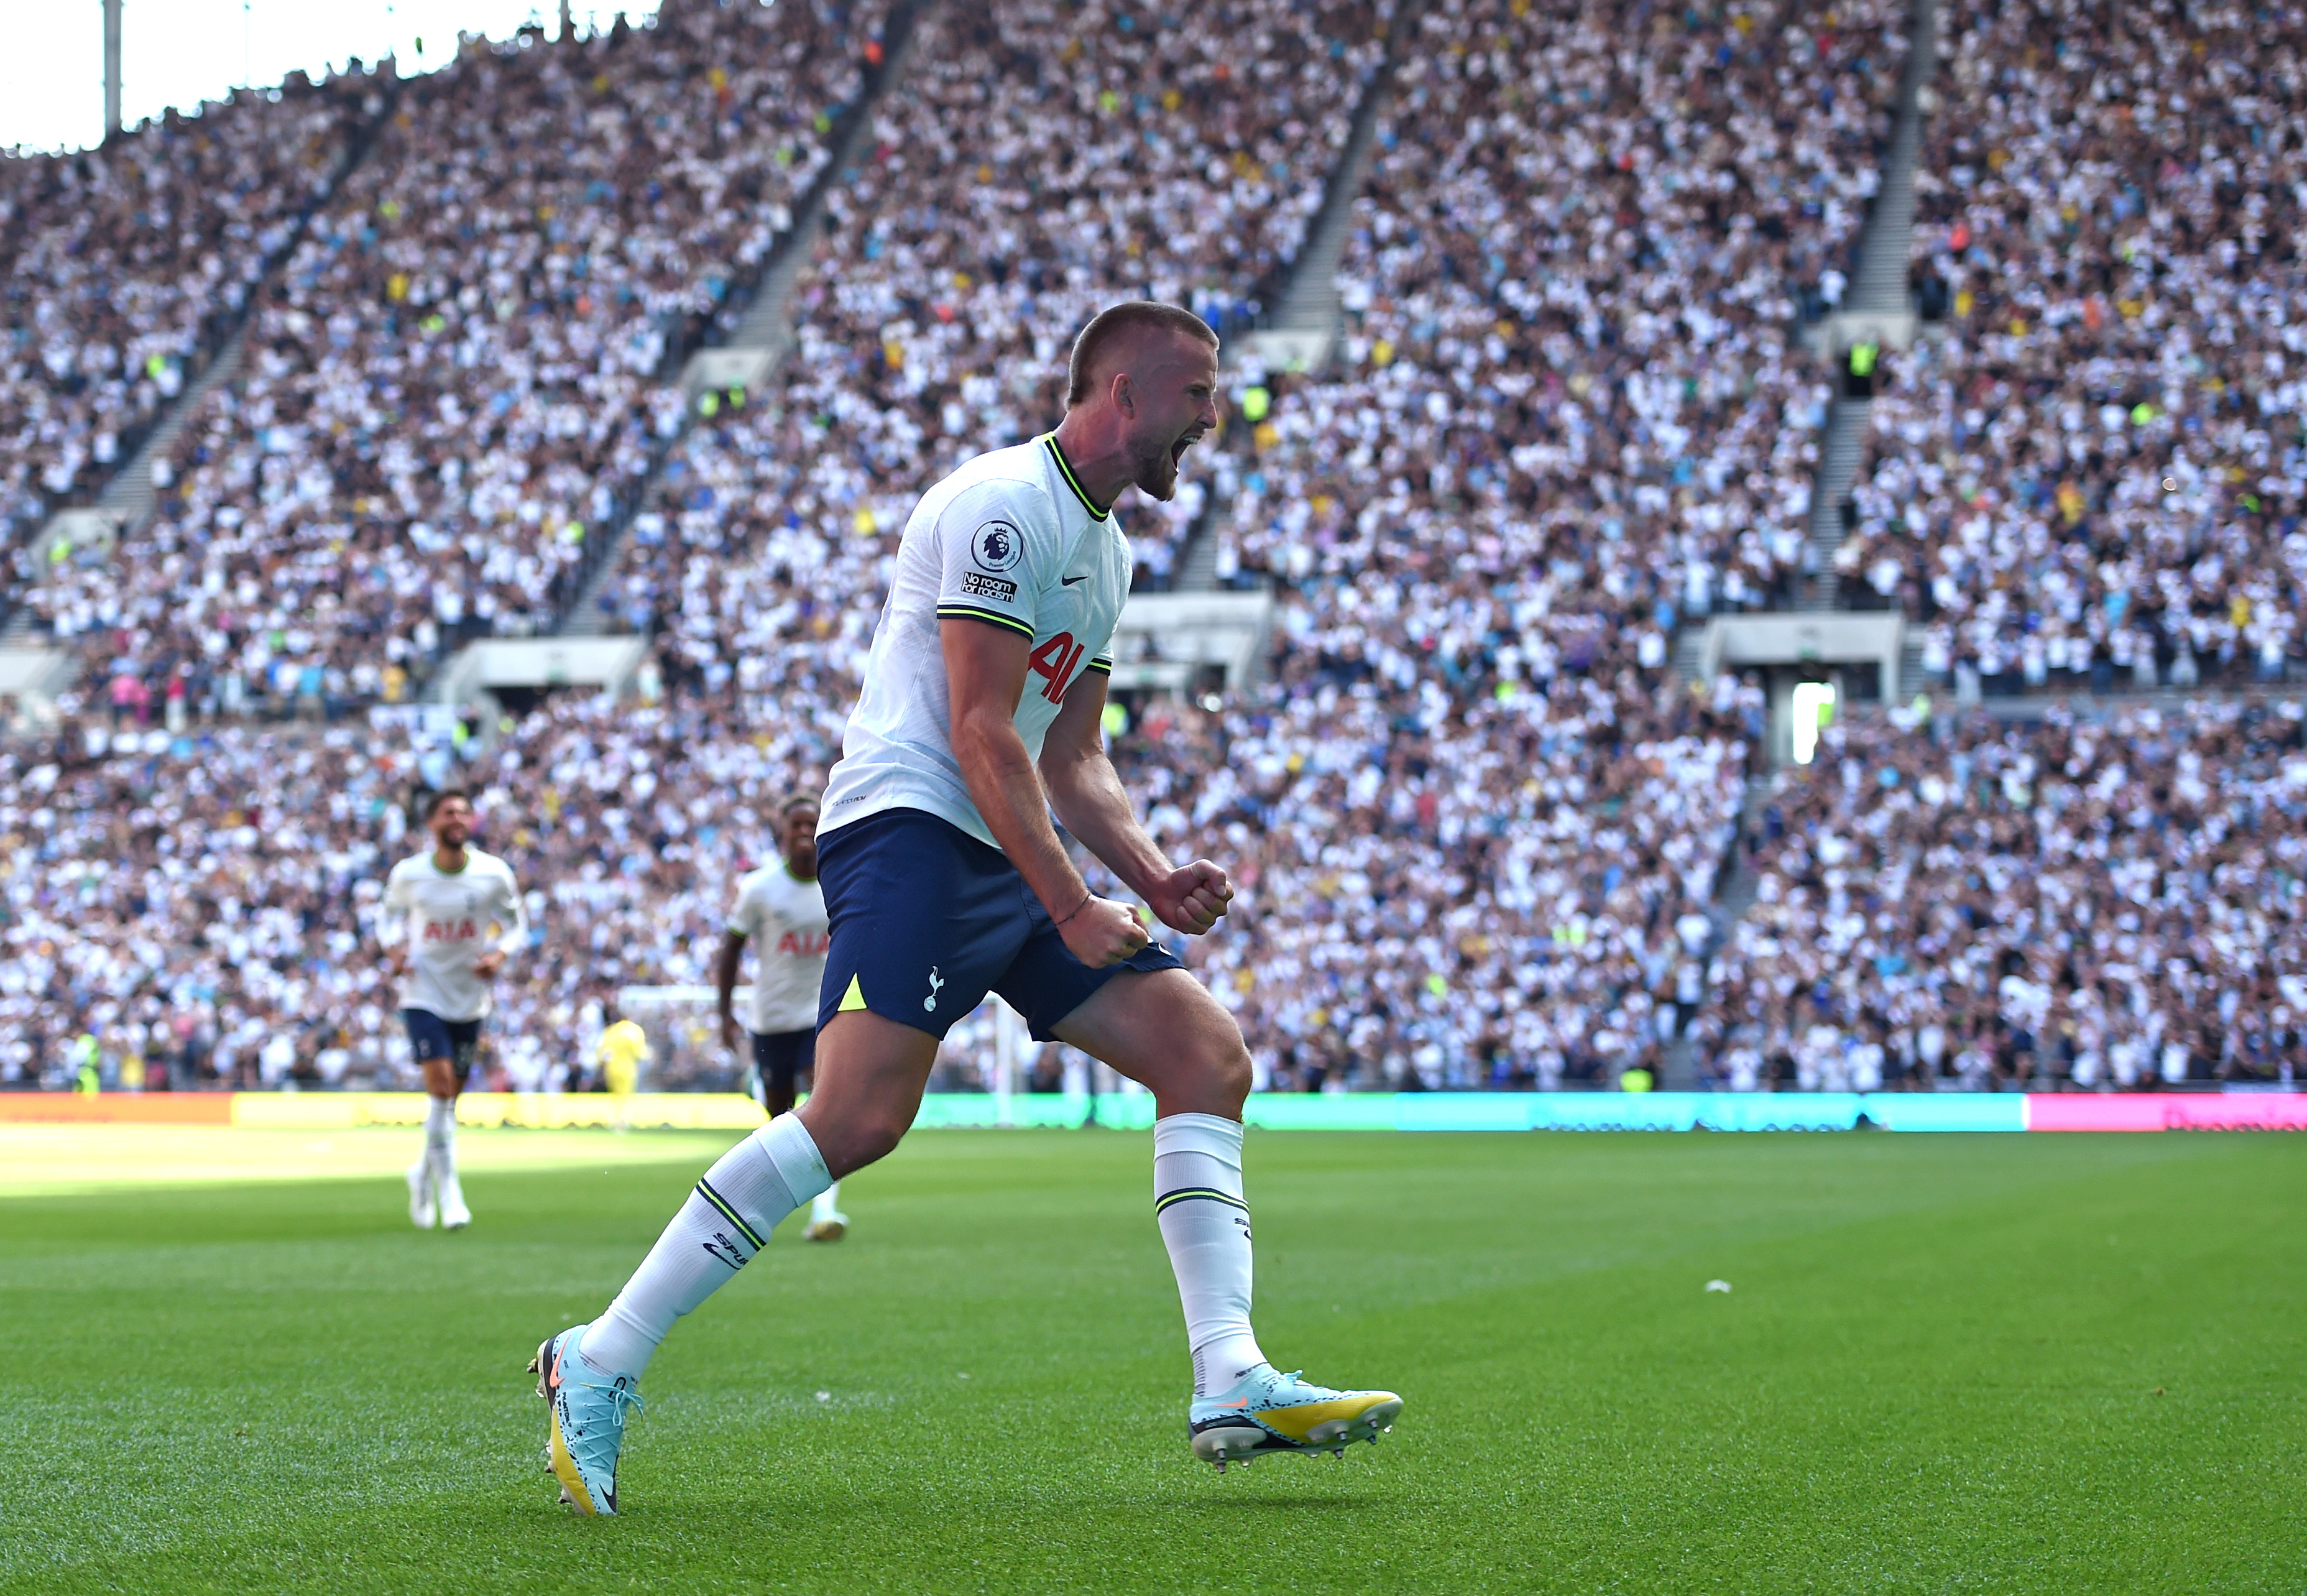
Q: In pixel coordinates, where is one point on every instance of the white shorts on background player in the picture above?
(449, 920)
(784, 921)
(1009, 540)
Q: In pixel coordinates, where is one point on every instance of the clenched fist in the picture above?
(1102, 933)
(1193, 898)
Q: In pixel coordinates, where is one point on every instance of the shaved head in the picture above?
(1144, 380)
(1121, 331)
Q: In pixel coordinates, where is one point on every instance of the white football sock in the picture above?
(440, 1145)
(826, 1204)
(1206, 1225)
(726, 1221)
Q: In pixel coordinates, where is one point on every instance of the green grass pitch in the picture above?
(1947, 1363)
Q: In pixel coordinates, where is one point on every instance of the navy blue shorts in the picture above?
(432, 1037)
(927, 920)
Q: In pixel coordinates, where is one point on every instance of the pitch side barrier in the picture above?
(1271, 1110)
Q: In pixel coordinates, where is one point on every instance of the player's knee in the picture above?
(866, 1143)
(1223, 1065)
(848, 1141)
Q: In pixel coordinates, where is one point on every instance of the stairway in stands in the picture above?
(1734, 894)
(1310, 308)
(127, 499)
(764, 334)
(1879, 289)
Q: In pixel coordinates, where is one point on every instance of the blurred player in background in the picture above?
(451, 917)
(981, 720)
(622, 1050)
(781, 910)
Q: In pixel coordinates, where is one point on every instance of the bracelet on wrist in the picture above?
(1078, 908)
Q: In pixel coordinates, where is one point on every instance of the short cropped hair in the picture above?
(794, 801)
(433, 804)
(1118, 320)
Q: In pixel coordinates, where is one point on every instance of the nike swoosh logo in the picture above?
(1069, 581)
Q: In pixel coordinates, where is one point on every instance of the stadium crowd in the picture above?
(2103, 902)
(1035, 162)
(2094, 474)
(457, 372)
(1569, 289)
(1507, 894)
(1546, 442)
(1473, 769)
(1475, 824)
(125, 267)
(1474, 879)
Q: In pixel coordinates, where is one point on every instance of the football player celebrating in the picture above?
(945, 879)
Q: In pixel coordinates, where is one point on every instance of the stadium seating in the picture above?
(1036, 163)
(1475, 819)
(126, 267)
(1571, 285)
(457, 373)
(2104, 901)
(1545, 440)
(2094, 475)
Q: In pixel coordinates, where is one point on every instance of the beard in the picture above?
(1156, 467)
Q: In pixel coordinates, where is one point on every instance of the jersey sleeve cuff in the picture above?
(970, 612)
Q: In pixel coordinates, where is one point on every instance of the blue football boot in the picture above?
(584, 1424)
(1268, 1412)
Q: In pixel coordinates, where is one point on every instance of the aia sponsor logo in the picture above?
(806, 944)
(1055, 661)
(449, 931)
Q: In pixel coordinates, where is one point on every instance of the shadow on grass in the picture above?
(1230, 1505)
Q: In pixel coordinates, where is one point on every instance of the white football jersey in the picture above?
(448, 920)
(784, 918)
(1008, 539)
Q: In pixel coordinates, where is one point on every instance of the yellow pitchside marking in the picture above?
(44, 1160)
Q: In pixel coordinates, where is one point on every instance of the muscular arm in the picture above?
(1090, 800)
(985, 676)
(1088, 795)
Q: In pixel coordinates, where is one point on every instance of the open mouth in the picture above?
(1178, 450)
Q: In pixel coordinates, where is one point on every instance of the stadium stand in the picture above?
(1038, 162)
(1477, 820)
(2092, 476)
(1572, 283)
(456, 373)
(2111, 900)
(127, 266)
(1470, 757)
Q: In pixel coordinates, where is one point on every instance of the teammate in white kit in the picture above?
(781, 911)
(944, 877)
(451, 918)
